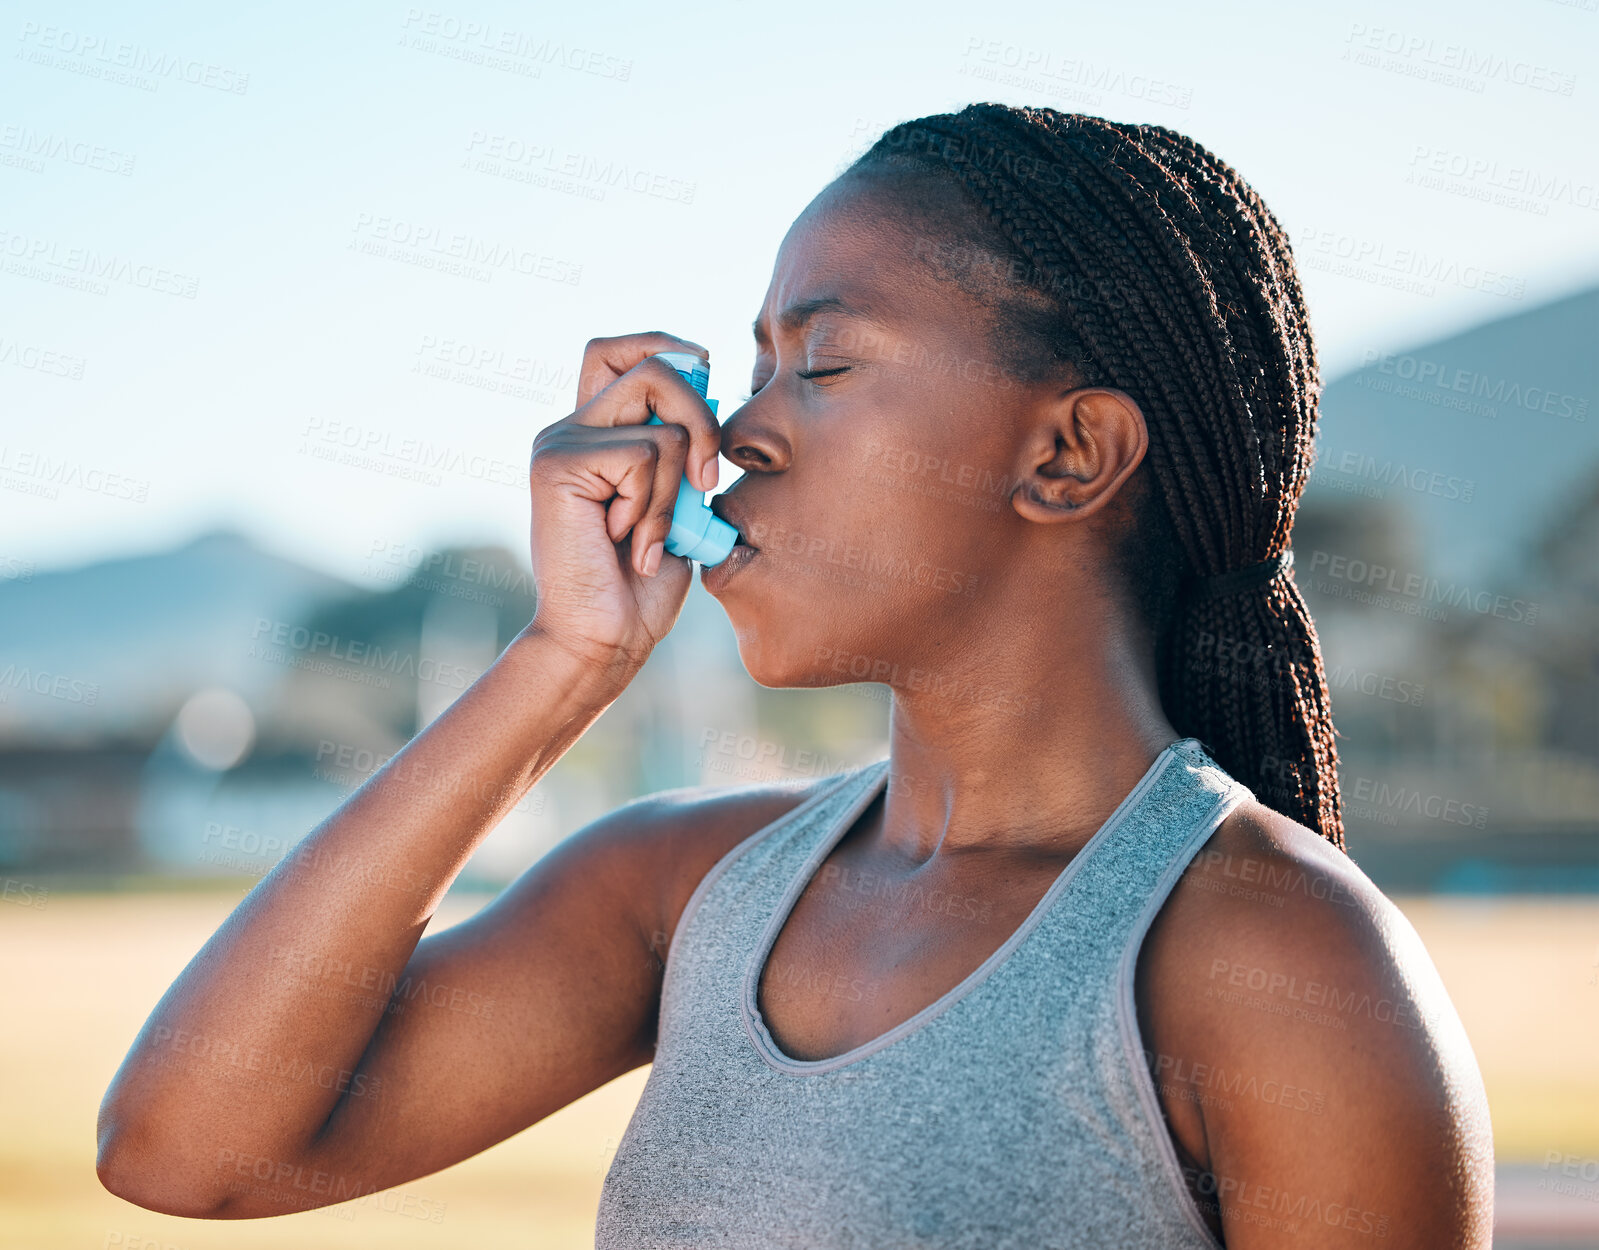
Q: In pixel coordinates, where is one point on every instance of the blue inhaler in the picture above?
(697, 533)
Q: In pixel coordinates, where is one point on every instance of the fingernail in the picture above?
(711, 472)
(652, 558)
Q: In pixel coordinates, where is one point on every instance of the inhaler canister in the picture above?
(697, 533)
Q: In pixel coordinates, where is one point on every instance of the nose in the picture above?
(752, 441)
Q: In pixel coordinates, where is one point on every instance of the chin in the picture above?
(784, 661)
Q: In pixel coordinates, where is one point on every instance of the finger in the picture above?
(606, 359)
(653, 386)
(612, 468)
(656, 524)
(635, 482)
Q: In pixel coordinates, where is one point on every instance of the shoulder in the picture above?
(656, 849)
(1326, 1059)
(1265, 898)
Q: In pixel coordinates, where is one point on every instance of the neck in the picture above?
(1030, 752)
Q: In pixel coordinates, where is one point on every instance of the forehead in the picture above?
(855, 252)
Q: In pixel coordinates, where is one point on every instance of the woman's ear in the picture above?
(1082, 445)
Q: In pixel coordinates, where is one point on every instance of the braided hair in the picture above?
(1136, 259)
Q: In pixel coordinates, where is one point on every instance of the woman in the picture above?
(1081, 962)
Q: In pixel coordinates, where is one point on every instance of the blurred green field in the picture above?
(82, 971)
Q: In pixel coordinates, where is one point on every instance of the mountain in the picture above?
(1481, 438)
(112, 649)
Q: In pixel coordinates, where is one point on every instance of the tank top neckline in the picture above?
(755, 1026)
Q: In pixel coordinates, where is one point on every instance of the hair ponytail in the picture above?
(1242, 672)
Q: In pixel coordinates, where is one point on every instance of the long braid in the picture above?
(1164, 275)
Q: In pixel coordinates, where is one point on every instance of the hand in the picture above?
(603, 487)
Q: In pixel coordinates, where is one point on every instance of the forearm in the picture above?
(298, 977)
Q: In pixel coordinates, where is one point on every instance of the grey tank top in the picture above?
(1015, 1111)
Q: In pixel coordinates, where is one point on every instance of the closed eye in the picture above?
(808, 375)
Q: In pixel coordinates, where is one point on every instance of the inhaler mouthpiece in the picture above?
(697, 532)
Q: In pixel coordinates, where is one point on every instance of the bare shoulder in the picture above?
(655, 850)
(1331, 1073)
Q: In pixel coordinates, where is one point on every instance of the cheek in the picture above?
(928, 544)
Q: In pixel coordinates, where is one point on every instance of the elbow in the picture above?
(165, 1182)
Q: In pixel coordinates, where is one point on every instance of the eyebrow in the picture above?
(797, 314)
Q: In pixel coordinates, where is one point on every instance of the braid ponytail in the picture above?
(1152, 267)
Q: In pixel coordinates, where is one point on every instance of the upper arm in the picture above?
(546, 994)
(1340, 1098)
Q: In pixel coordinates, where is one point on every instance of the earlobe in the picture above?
(1036, 495)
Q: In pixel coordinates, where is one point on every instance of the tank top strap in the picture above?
(1124, 873)
(722, 919)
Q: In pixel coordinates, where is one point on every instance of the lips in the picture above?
(730, 511)
(715, 577)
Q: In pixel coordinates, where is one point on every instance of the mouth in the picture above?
(715, 577)
(730, 512)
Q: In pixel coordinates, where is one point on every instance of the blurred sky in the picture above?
(255, 179)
